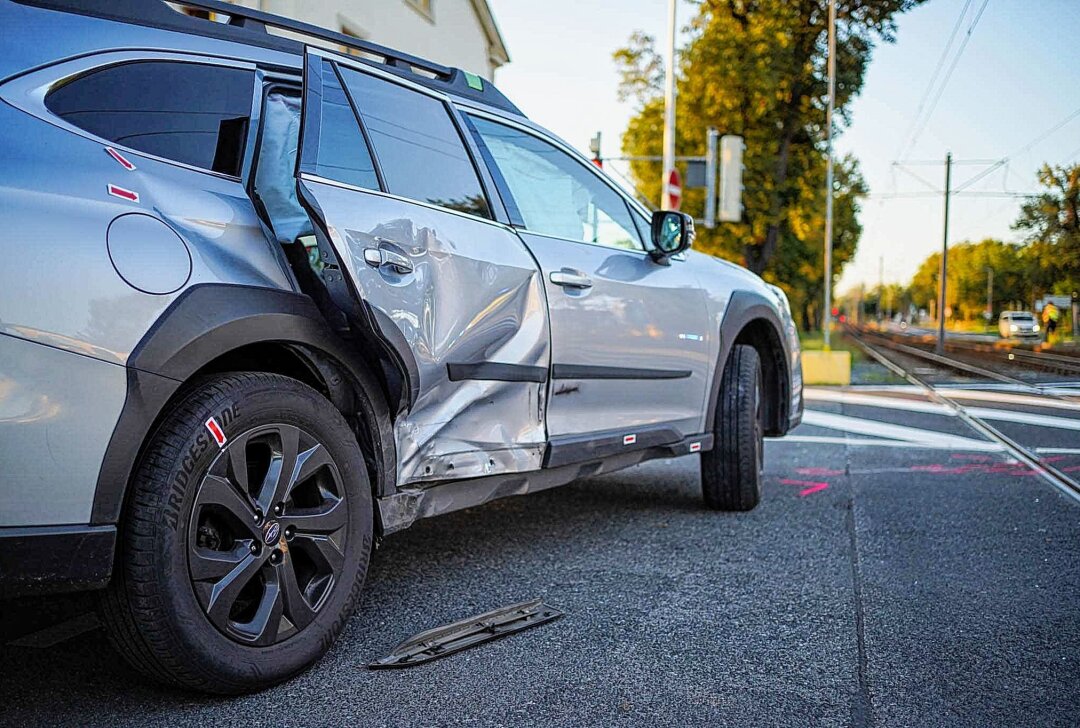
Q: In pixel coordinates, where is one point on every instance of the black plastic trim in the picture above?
(594, 445)
(42, 559)
(496, 372)
(743, 308)
(586, 371)
(202, 324)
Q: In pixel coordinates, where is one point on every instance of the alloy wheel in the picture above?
(266, 539)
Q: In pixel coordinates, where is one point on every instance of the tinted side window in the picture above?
(420, 152)
(555, 193)
(340, 151)
(187, 112)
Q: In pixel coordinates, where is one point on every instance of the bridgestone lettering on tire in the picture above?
(731, 471)
(240, 558)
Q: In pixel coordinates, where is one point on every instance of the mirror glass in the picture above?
(671, 228)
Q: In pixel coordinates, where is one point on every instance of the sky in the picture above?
(1018, 78)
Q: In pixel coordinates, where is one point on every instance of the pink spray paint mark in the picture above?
(811, 486)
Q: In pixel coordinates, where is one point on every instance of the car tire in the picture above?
(196, 599)
(731, 471)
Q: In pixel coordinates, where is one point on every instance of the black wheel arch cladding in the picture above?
(209, 322)
(750, 319)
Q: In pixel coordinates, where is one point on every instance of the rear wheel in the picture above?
(731, 471)
(245, 539)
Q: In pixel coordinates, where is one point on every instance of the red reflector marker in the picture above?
(695, 447)
(123, 194)
(629, 439)
(216, 431)
(120, 158)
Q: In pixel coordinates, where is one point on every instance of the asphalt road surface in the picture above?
(900, 571)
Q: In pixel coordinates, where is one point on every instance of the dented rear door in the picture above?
(455, 295)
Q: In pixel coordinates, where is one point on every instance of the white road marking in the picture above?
(871, 400)
(913, 405)
(1010, 398)
(889, 431)
(976, 446)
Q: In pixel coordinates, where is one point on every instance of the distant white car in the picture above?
(1018, 324)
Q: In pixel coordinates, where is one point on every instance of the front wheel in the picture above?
(731, 471)
(245, 538)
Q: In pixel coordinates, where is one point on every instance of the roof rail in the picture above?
(250, 26)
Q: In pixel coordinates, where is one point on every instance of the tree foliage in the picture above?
(1047, 261)
(968, 272)
(756, 68)
(1051, 222)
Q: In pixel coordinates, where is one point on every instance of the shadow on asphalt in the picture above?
(437, 549)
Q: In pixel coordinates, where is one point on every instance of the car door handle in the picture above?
(570, 279)
(380, 257)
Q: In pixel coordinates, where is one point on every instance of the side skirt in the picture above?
(408, 505)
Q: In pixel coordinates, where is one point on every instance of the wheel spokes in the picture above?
(325, 553)
(216, 490)
(238, 462)
(210, 565)
(256, 586)
(323, 520)
(296, 606)
(279, 477)
(308, 463)
(266, 624)
(227, 589)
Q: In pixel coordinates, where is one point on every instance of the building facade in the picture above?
(460, 33)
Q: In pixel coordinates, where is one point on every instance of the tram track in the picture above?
(1051, 474)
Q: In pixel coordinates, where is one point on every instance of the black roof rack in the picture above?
(250, 26)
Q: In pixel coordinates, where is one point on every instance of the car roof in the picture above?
(250, 27)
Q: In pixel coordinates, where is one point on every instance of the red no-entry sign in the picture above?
(674, 190)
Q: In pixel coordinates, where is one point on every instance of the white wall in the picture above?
(452, 36)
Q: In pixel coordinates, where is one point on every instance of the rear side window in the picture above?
(187, 112)
(337, 144)
(420, 152)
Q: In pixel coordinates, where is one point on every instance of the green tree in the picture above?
(1051, 223)
(970, 264)
(757, 68)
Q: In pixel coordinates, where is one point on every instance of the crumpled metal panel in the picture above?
(474, 294)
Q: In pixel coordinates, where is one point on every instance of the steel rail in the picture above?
(944, 361)
(1052, 475)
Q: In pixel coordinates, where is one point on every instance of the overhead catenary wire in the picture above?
(949, 73)
(933, 79)
(1004, 160)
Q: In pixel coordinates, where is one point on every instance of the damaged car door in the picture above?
(454, 294)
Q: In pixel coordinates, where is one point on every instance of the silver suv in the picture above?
(265, 303)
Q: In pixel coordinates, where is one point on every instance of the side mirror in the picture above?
(672, 233)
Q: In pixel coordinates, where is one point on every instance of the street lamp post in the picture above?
(669, 110)
(827, 318)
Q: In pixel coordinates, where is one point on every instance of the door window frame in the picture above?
(504, 190)
(487, 186)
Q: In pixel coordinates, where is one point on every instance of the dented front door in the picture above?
(455, 296)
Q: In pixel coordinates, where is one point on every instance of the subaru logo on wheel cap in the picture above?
(271, 532)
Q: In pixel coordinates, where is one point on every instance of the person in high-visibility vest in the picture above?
(1050, 316)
